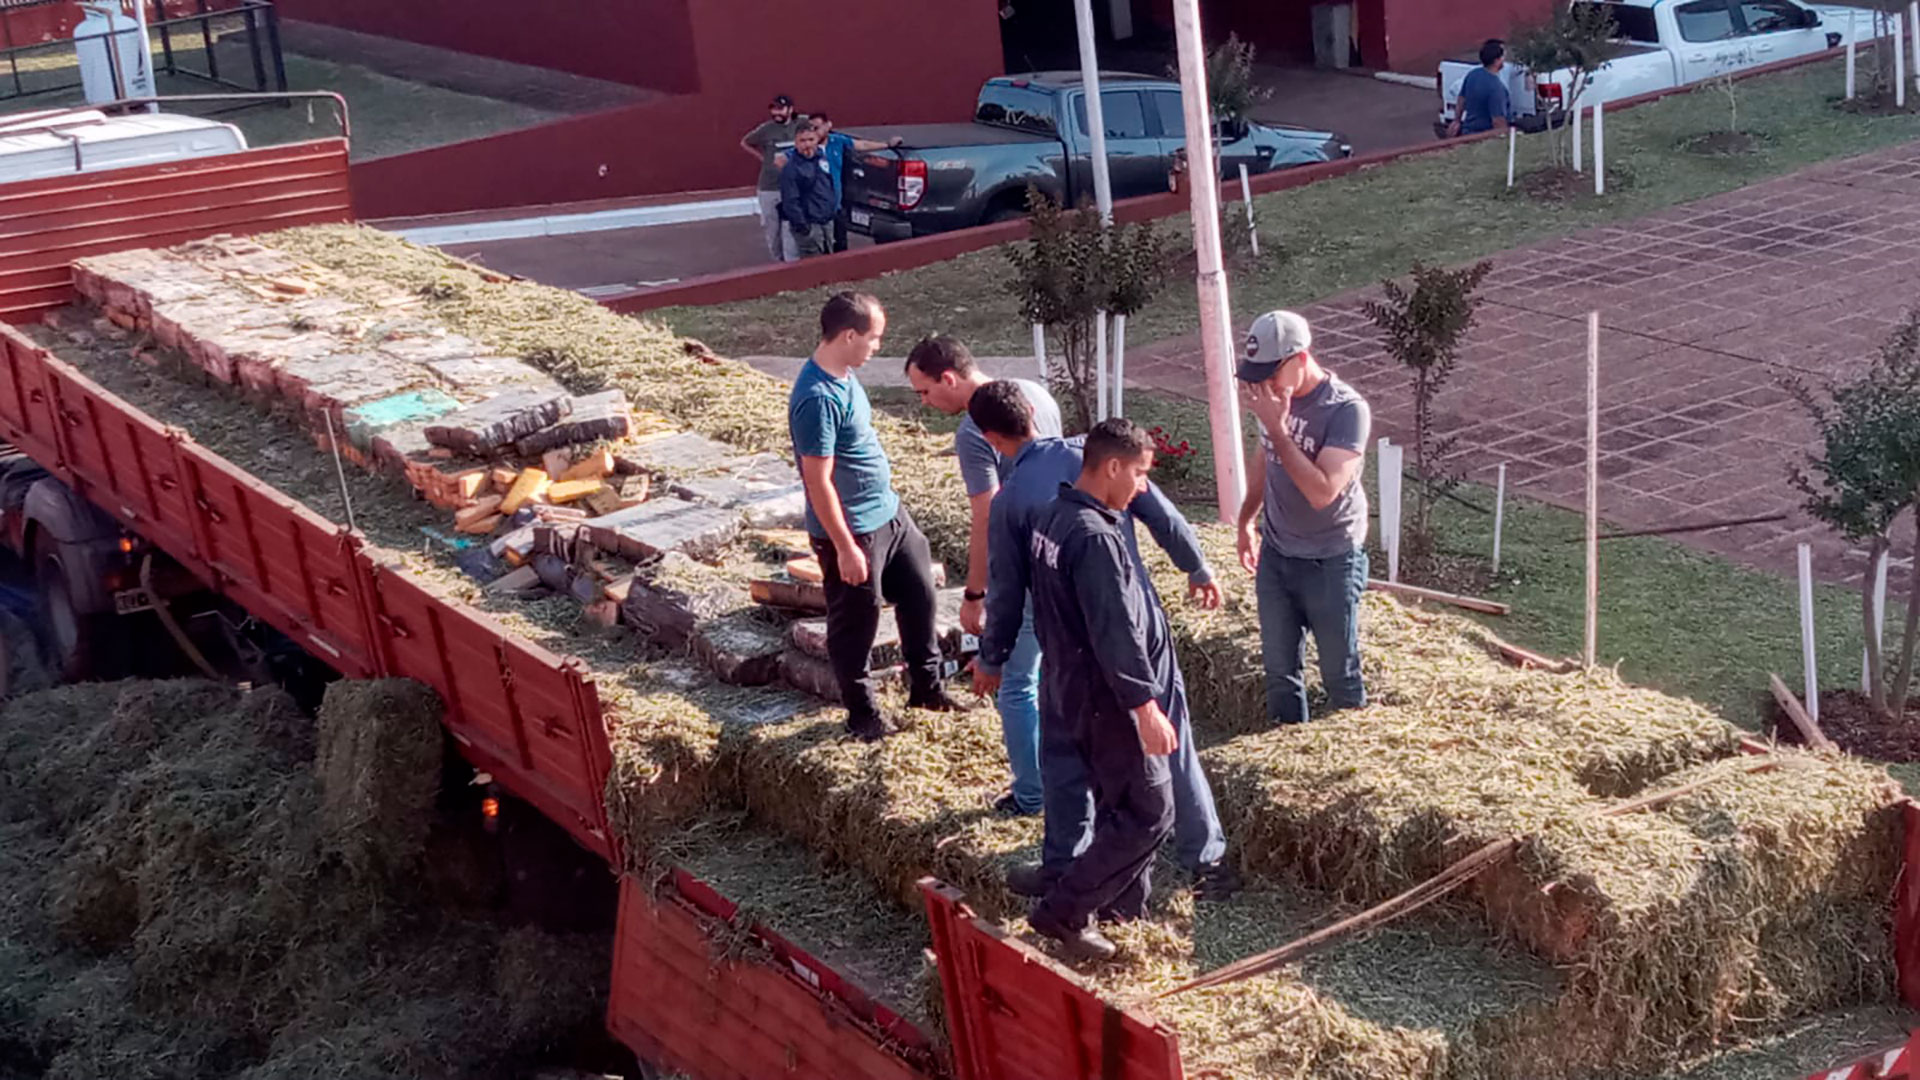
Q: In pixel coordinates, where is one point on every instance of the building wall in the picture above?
(639, 42)
(846, 57)
(1420, 33)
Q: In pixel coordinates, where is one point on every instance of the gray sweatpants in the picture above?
(780, 244)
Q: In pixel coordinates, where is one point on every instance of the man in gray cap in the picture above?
(1306, 556)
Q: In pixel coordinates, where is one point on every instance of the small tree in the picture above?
(1232, 90)
(1422, 329)
(1568, 48)
(1070, 269)
(1727, 87)
(1865, 477)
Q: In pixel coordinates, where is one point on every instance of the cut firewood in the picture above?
(571, 490)
(1810, 732)
(529, 485)
(807, 569)
(592, 467)
(485, 506)
(503, 479)
(467, 485)
(481, 526)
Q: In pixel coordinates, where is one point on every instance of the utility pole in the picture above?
(1096, 116)
(1216, 318)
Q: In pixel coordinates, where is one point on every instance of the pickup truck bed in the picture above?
(919, 135)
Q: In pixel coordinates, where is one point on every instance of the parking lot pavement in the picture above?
(616, 260)
(1372, 114)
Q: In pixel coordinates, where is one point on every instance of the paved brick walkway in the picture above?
(1704, 309)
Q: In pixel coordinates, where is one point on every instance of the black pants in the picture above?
(1133, 815)
(899, 572)
(840, 231)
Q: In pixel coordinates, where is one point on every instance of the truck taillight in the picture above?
(1548, 90)
(913, 183)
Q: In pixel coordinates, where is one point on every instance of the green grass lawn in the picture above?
(1339, 234)
(390, 115)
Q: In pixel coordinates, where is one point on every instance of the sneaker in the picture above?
(935, 700)
(1029, 880)
(1085, 943)
(1216, 881)
(1008, 806)
(871, 730)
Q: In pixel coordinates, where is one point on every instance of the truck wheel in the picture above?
(1003, 213)
(69, 639)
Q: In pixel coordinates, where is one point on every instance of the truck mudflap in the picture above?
(530, 718)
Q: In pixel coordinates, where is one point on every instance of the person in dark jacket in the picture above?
(809, 198)
(1100, 687)
(1038, 467)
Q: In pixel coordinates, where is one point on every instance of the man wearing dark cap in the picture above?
(1305, 551)
(763, 143)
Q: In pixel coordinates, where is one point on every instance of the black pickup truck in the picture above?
(1032, 130)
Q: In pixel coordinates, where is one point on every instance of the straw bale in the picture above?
(379, 768)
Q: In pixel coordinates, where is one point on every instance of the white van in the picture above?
(59, 142)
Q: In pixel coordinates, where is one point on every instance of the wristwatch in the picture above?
(970, 596)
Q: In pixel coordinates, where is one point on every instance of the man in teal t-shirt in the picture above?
(870, 551)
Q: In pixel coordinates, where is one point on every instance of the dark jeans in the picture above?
(1198, 839)
(899, 572)
(1133, 814)
(1321, 596)
(840, 233)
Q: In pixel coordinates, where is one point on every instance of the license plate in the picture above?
(128, 601)
(860, 218)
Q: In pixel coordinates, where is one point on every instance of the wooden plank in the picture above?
(1415, 592)
(1810, 732)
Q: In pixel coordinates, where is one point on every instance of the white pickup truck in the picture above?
(1661, 44)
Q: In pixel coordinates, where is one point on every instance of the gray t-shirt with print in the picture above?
(1332, 415)
(981, 467)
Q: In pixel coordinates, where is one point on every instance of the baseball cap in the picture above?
(1272, 340)
(780, 101)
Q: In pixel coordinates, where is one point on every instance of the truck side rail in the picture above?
(530, 718)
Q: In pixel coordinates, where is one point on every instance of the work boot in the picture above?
(934, 700)
(871, 729)
(1009, 806)
(1030, 880)
(1216, 881)
(1085, 943)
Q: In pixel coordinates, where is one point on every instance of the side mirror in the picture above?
(1813, 19)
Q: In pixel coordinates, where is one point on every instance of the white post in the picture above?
(1853, 23)
(1579, 163)
(1100, 365)
(1593, 458)
(1913, 26)
(1899, 69)
(1096, 117)
(1599, 148)
(1216, 320)
(1879, 619)
(1499, 513)
(1390, 467)
(1040, 351)
(1246, 198)
(1513, 140)
(1812, 674)
(1119, 363)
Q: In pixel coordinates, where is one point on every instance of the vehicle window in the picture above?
(1769, 16)
(1125, 116)
(1705, 20)
(1173, 116)
(1635, 24)
(1020, 107)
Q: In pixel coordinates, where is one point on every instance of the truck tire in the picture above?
(69, 640)
(999, 214)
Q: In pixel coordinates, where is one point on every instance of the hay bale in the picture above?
(551, 986)
(378, 764)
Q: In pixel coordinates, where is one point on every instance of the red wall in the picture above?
(1420, 33)
(844, 57)
(639, 42)
(45, 22)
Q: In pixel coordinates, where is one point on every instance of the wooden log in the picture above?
(503, 479)
(807, 569)
(481, 526)
(1810, 732)
(1415, 592)
(530, 484)
(1527, 658)
(485, 506)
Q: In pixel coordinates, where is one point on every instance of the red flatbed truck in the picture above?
(92, 487)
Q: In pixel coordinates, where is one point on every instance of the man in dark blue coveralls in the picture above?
(1037, 470)
(1100, 687)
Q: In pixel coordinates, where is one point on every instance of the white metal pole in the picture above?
(1246, 198)
(1599, 148)
(1878, 617)
(1388, 462)
(1040, 350)
(1499, 513)
(1513, 140)
(1216, 319)
(1812, 674)
(1853, 23)
(1579, 162)
(1913, 26)
(1096, 116)
(1593, 458)
(1100, 364)
(1899, 69)
(1119, 363)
